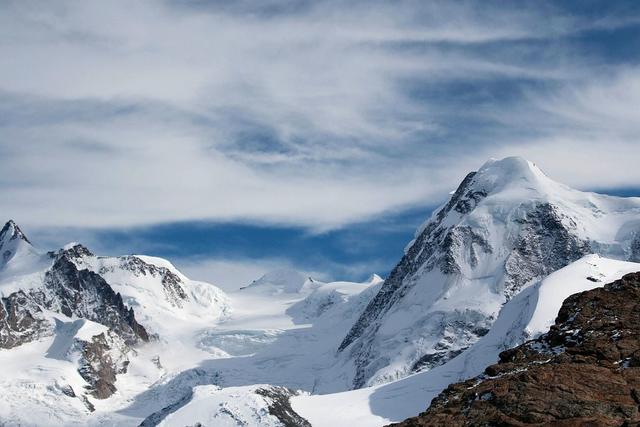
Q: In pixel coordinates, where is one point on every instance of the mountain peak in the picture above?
(13, 242)
(283, 281)
(11, 231)
(510, 162)
(496, 175)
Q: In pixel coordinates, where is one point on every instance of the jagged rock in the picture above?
(69, 291)
(279, 405)
(13, 242)
(21, 320)
(11, 231)
(67, 390)
(75, 252)
(544, 246)
(634, 249)
(66, 289)
(101, 360)
(86, 294)
(584, 371)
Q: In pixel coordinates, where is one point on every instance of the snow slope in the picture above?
(283, 281)
(166, 300)
(506, 227)
(287, 339)
(229, 407)
(283, 329)
(526, 316)
(48, 375)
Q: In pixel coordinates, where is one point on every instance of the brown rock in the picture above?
(584, 372)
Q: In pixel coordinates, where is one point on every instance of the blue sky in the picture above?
(313, 135)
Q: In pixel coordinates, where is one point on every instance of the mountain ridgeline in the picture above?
(67, 290)
(506, 226)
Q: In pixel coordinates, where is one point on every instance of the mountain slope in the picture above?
(506, 226)
(525, 316)
(14, 244)
(584, 371)
(83, 367)
(257, 405)
(28, 293)
(92, 340)
(82, 334)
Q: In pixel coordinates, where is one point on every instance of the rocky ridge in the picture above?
(68, 290)
(584, 371)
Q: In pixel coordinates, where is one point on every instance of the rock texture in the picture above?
(279, 405)
(85, 294)
(21, 320)
(584, 372)
(68, 290)
(101, 360)
(11, 238)
(545, 244)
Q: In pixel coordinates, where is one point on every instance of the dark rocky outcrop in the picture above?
(584, 372)
(99, 366)
(280, 406)
(11, 238)
(70, 291)
(86, 294)
(634, 249)
(21, 320)
(11, 231)
(544, 246)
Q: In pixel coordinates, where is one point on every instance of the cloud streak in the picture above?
(115, 114)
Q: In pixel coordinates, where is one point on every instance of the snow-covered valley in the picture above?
(91, 340)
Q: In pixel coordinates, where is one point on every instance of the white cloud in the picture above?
(121, 114)
(589, 131)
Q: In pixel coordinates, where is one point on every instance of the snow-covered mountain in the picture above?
(130, 340)
(283, 281)
(506, 226)
(525, 316)
(92, 340)
(77, 330)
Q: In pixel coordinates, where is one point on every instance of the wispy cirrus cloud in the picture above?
(321, 114)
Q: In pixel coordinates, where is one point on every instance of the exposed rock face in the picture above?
(101, 360)
(12, 241)
(545, 245)
(70, 291)
(74, 253)
(584, 371)
(481, 237)
(634, 250)
(429, 248)
(21, 320)
(280, 407)
(86, 294)
(11, 231)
